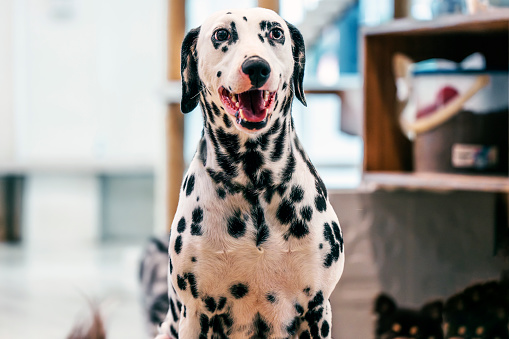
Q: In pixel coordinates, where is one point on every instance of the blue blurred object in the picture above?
(441, 7)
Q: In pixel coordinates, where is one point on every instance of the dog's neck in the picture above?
(240, 162)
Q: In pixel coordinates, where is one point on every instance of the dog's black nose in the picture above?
(258, 71)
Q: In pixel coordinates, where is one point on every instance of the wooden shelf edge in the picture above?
(434, 182)
(445, 23)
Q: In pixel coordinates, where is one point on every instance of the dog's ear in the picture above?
(299, 60)
(384, 305)
(189, 72)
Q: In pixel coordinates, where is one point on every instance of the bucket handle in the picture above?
(448, 111)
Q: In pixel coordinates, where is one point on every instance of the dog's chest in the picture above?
(229, 241)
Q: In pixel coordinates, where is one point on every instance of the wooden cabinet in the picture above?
(387, 152)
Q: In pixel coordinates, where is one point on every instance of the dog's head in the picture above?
(394, 322)
(245, 64)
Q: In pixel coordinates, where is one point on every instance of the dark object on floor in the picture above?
(93, 330)
(396, 322)
(480, 311)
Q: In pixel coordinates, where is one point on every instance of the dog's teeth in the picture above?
(234, 98)
(265, 95)
(237, 104)
(241, 111)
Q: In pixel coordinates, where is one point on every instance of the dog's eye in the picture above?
(276, 34)
(221, 35)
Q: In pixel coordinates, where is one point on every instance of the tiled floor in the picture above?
(44, 292)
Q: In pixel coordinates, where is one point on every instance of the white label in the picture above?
(474, 156)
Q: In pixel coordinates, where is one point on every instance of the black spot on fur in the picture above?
(190, 185)
(245, 19)
(171, 266)
(289, 169)
(215, 110)
(239, 290)
(174, 332)
(178, 244)
(197, 215)
(221, 193)
(221, 303)
(197, 218)
(193, 259)
(307, 291)
(261, 328)
(269, 193)
(337, 233)
(271, 298)
(285, 212)
(224, 49)
(292, 328)
(203, 152)
(315, 314)
(196, 230)
(181, 283)
(219, 74)
(306, 213)
(181, 226)
(235, 35)
(316, 301)
(333, 255)
(207, 108)
(204, 325)
(262, 235)
(284, 86)
(226, 164)
(159, 307)
(252, 161)
(298, 229)
(261, 38)
(227, 121)
(279, 145)
(210, 304)
(231, 144)
(192, 284)
(305, 335)
(327, 234)
(221, 325)
(236, 225)
(297, 194)
(320, 203)
(325, 329)
(299, 309)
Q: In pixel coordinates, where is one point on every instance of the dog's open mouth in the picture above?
(251, 109)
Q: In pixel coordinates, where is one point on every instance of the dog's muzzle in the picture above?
(258, 71)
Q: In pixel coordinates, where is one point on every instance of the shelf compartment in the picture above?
(388, 154)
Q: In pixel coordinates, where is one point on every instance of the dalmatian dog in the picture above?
(255, 248)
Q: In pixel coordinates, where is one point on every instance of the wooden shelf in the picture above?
(492, 20)
(435, 182)
(388, 154)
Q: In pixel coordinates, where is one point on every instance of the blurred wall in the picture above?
(90, 75)
(6, 80)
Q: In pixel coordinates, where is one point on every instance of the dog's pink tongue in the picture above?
(252, 105)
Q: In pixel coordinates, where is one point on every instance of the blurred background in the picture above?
(84, 98)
